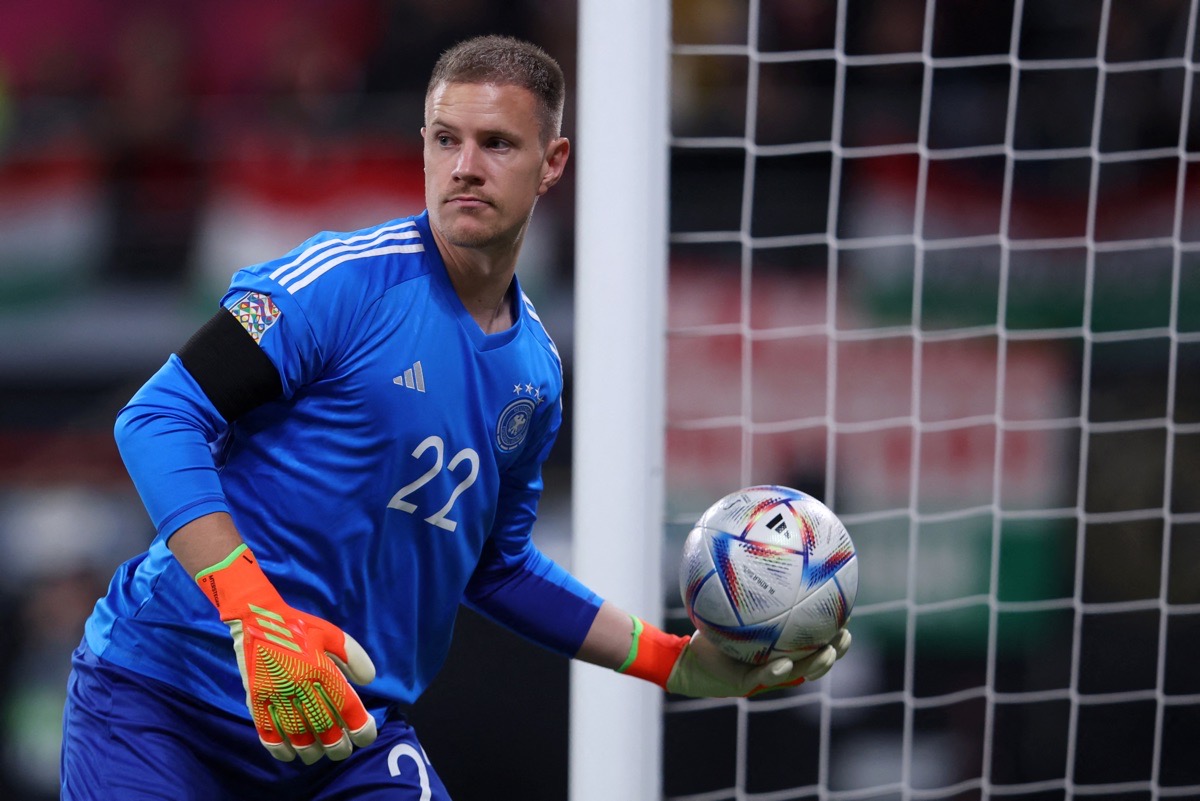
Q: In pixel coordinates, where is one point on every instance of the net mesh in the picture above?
(936, 264)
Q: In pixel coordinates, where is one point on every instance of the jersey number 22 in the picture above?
(438, 518)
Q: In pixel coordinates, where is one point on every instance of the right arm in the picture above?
(163, 435)
(293, 665)
(165, 432)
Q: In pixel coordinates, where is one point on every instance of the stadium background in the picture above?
(149, 149)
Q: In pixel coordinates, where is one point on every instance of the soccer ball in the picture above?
(767, 572)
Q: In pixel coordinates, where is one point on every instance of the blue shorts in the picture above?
(129, 737)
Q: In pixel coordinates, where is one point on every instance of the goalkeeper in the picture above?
(346, 452)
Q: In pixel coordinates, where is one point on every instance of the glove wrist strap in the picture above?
(232, 582)
(653, 653)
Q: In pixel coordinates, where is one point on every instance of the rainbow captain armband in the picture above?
(653, 653)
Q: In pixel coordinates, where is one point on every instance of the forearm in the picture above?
(627, 644)
(204, 542)
(609, 639)
(531, 595)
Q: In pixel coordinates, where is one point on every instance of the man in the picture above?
(347, 451)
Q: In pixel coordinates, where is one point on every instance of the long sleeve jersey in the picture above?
(395, 477)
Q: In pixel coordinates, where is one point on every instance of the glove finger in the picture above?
(281, 750)
(770, 674)
(767, 677)
(338, 739)
(352, 659)
(841, 642)
(352, 714)
(336, 743)
(273, 734)
(814, 667)
(302, 737)
(310, 753)
(365, 734)
(345, 725)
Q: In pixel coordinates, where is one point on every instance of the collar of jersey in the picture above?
(441, 279)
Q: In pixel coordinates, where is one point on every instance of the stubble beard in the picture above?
(480, 235)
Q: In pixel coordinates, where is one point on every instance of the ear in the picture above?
(555, 162)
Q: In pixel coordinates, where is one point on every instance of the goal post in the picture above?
(617, 432)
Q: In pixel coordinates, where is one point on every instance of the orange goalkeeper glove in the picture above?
(292, 666)
(695, 667)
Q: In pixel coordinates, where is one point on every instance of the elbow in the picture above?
(124, 429)
(134, 425)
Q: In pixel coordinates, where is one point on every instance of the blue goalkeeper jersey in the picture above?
(395, 477)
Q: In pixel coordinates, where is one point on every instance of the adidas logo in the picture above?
(413, 378)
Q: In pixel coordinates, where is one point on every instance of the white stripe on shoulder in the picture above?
(533, 314)
(323, 250)
(529, 307)
(329, 265)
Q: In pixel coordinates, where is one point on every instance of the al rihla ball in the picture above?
(769, 571)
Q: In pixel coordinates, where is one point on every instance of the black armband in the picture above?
(230, 367)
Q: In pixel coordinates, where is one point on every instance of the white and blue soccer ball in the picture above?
(768, 571)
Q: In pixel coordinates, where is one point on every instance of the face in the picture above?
(485, 165)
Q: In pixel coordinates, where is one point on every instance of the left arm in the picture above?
(553, 609)
(608, 640)
(692, 665)
(514, 583)
(525, 591)
(529, 593)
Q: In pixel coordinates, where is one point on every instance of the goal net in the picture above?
(938, 264)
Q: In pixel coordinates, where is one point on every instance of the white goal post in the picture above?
(617, 496)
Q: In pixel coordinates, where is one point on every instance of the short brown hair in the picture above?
(506, 61)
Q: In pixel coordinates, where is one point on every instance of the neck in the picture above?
(489, 306)
(483, 281)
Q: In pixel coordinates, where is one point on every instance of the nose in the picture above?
(466, 167)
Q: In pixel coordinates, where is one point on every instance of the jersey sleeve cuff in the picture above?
(187, 514)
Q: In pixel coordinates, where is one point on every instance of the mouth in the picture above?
(467, 202)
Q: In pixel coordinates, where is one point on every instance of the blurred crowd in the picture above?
(163, 112)
(149, 149)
